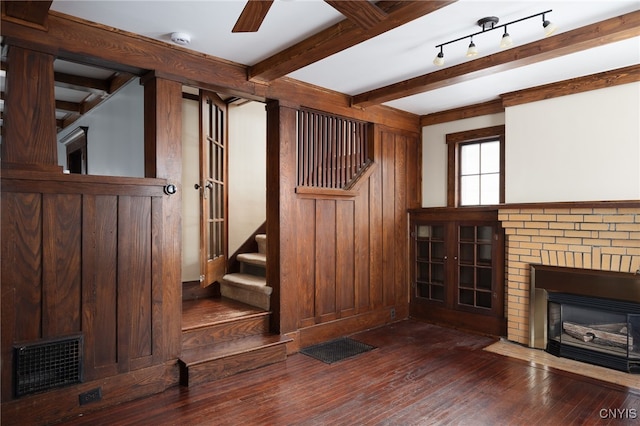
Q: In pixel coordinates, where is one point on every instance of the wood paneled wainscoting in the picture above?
(343, 253)
(81, 256)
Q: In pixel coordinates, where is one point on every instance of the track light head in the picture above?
(472, 50)
(506, 40)
(548, 26)
(439, 60)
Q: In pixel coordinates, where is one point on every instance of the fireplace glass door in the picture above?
(584, 329)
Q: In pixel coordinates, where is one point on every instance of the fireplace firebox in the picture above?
(599, 331)
(590, 316)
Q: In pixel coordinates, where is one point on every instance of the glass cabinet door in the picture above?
(430, 262)
(475, 279)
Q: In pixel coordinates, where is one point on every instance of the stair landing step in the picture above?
(204, 354)
(201, 313)
(259, 259)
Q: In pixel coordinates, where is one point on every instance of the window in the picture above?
(476, 167)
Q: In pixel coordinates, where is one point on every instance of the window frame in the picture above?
(454, 142)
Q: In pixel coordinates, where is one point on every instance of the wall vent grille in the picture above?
(43, 366)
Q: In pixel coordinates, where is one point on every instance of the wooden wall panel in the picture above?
(305, 259)
(388, 217)
(62, 252)
(401, 227)
(361, 250)
(135, 280)
(345, 252)
(375, 228)
(100, 256)
(21, 276)
(22, 262)
(325, 259)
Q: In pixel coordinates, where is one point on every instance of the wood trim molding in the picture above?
(486, 108)
(572, 205)
(453, 139)
(331, 193)
(587, 37)
(572, 86)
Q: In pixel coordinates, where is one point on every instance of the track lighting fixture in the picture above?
(489, 24)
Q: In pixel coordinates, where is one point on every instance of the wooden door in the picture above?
(213, 188)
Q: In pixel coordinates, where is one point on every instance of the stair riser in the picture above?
(224, 332)
(224, 367)
(248, 296)
(257, 270)
(262, 244)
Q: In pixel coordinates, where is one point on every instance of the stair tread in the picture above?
(259, 259)
(202, 354)
(245, 279)
(202, 313)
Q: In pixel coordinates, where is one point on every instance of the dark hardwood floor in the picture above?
(419, 374)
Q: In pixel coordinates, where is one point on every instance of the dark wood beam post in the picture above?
(163, 159)
(281, 239)
(29, 140)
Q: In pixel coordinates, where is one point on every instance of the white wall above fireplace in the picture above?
(582, 147)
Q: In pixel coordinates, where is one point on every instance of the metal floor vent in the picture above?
(44, 366)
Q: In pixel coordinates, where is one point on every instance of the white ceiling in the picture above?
(404, 52)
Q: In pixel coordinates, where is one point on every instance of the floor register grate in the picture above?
(43, 366)
(336, 350)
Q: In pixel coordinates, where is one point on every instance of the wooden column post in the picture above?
(29, 140)
(163, 159)
(281, 239)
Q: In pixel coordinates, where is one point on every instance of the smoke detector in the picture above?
(181, 38)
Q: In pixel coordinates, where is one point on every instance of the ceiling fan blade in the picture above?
(361, 12)
(252, 16)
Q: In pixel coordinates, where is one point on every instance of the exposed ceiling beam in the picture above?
(68, 106)
(587, 37)
(93, 85)
(252, 16)
(362, 12)
(339, 37)
(29, 12)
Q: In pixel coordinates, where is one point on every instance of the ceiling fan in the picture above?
(362, 12)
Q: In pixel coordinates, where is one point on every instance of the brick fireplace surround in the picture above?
(576, 235)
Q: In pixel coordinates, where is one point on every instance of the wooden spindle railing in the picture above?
(332, 150)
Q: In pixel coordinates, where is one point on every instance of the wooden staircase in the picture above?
(250, 284)
(222, 336)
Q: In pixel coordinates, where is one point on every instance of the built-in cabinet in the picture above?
(457, 258)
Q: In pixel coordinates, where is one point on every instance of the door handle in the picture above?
(209, 185)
